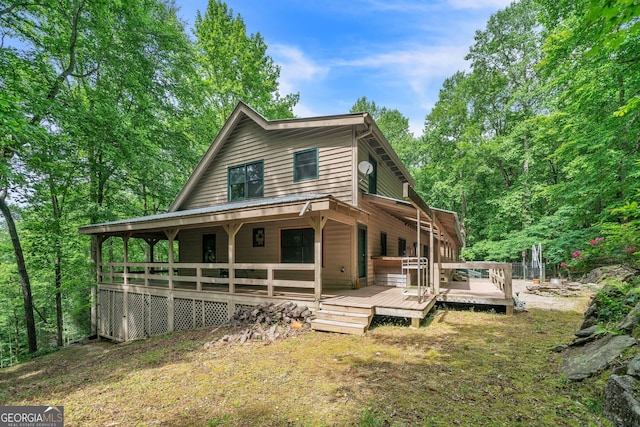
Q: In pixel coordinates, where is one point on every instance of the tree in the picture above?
(234, 66)
(395, 128)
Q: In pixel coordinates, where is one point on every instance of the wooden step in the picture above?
(351, 308)
(339, 327)
(342, 316)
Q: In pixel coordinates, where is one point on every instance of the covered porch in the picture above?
(189, 269)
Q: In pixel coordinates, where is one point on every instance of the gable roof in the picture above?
(370, 133)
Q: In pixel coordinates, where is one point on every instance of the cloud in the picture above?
(479, 4)
(295, 67)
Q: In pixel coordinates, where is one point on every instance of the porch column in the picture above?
(150, 259)
(171, 235)
(431, 258)
(232, 229)
(439, 268)
(94, 290)
(125, 269)
(317, 223)
(418, 252)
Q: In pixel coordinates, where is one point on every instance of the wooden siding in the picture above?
(248, 142)
(337, 248)
(379, 221)
(388, 183)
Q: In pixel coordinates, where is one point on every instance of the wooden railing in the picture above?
(421, 266)
(499, 273)
(209, 276)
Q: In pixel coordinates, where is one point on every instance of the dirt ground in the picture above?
(553, 302)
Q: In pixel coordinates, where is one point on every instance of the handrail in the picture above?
(421, 264)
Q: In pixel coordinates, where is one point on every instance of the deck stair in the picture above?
(351, 319)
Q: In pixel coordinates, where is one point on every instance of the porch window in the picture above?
(297, 245)
(402, 246)
(305, 164)
(246, 181)
(383, 243)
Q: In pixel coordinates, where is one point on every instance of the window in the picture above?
(305, 164)
(402, 246)
(383, 244)
(246, 181)
(373, 176)
(209, 248)
(297, 245)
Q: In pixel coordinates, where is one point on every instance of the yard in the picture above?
(459, 368)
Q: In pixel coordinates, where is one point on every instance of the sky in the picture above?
(332, 52)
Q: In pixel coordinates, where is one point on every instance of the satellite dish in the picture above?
(365, 167)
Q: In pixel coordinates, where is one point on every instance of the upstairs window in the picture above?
(305, 164)
(373, 176)
(246, 181)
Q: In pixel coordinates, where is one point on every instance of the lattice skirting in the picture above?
(132, 316)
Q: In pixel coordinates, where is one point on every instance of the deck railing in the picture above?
(499, 273)
(421, 266)
(209, 276)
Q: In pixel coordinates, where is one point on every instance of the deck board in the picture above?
(377, 296)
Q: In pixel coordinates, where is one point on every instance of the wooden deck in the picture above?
(384, 300)
(474, 291)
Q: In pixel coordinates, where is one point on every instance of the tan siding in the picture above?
(337, 256)
(190, 244)
(388, 184)
(249, 142)
(379, 221)
(337, 248)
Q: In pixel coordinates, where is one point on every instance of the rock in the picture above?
(631, 320)
(589, 322)
(560, 348)
(586, 361)
(620, 272)
(577, 342)
(633, 368)
(621, 400)
(587, 332)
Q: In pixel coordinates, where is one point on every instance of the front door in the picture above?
(362, 251)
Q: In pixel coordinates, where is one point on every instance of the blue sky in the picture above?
(396, 53)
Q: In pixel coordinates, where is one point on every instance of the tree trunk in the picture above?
(59, 324)
(22, 273)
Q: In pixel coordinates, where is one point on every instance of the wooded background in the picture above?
(106, 107)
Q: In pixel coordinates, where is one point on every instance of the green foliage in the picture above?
(614, 301)
(105, 109)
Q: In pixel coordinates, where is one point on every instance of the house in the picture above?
(319, 211)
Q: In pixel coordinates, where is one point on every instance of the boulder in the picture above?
(620, 272)
(621, 400)
(631, 320)
(586, 361)
(633, 368)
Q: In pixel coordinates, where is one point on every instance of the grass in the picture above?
(462, 368)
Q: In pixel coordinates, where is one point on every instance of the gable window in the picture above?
(297, 245)
(246, 181)
(402, 247)
(305, 164)
(373, 176)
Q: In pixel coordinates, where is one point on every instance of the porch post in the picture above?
(317, 223)
(232, 230)
(94, 289)
(171, 235)
(125, 269)
(431, 258)
(439, 269)
(418, 252)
